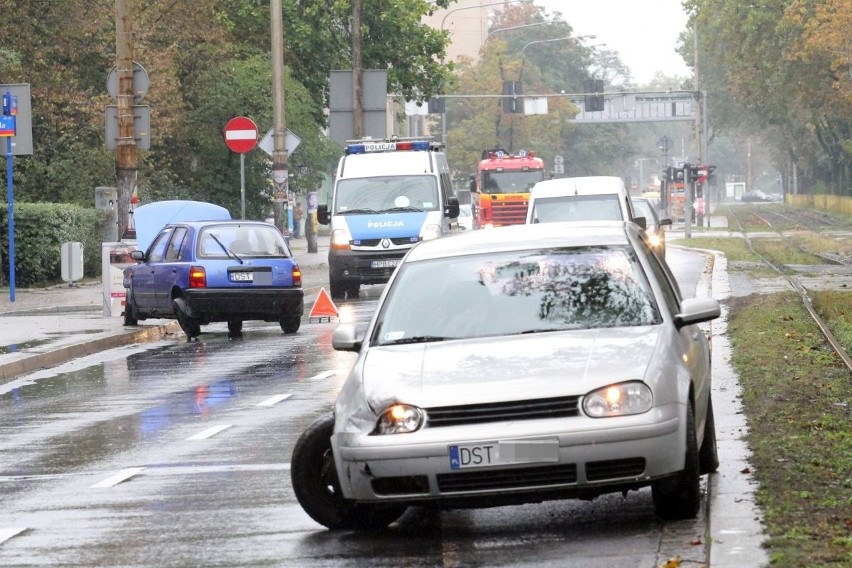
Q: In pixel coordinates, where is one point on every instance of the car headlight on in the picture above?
(430, 232)
(399, 419)
(621, 399)
(340, 239)
(655, 240)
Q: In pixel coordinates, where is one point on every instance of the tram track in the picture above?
(794, 282)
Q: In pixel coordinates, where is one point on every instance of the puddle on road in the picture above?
(19, 347)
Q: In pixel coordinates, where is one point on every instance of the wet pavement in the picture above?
(49, 326)
(44, 327)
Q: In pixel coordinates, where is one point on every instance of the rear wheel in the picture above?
(188, 324)
(314, 478)
(679, 497)
(130, 318)
(235, 327)
(290, 324)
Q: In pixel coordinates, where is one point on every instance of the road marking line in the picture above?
(209, 432)
(6, 534)
(122, 475)
(273, 400)
(323, 375)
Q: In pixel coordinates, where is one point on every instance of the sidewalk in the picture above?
(49, 326)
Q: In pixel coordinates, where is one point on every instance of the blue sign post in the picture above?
(8, 130)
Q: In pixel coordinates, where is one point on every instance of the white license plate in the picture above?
(393, 263)
(242, 276)
(463, 456)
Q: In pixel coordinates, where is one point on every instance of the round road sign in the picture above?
(241, 134)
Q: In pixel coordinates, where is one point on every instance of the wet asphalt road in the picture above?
(177, 454)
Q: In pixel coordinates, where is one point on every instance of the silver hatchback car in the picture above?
(516, 365)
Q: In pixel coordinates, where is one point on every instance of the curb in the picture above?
(62, 355)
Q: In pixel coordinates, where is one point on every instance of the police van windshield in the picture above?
(388, 194)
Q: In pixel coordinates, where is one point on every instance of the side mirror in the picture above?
(322, 215)
(452, 208)
(697, 310)
(344, 338)
(641, 222)
(137, 255)
(665, 222)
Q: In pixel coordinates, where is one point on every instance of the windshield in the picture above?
(515, 293)
(386, 194)
(510, 181)
(602, 207)
(220, 241)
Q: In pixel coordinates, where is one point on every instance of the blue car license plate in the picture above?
(463, 456)
(241, 276)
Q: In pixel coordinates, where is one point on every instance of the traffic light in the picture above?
(695, 172)
(511, 90)
(711, 175)
(593, 99)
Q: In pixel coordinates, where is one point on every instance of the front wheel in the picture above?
(679, 497)
(336, 288)
(708, 457)
(313, 475)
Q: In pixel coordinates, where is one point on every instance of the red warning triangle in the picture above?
(323, 306)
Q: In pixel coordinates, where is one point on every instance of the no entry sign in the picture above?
(241, 134)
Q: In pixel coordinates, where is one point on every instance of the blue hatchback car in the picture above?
(212, 271)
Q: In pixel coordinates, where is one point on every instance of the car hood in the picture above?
(492, 369)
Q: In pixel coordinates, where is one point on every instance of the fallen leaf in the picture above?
(745, 470)
(696, 542)
(671, 563)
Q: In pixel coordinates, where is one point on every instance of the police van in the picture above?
(388, 196)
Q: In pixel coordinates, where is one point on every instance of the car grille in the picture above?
(614, 469)
(561, 407)
(398, 241)
(514, 478)
(509, 212)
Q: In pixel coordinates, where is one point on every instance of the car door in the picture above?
(168, 270)
(143, 289)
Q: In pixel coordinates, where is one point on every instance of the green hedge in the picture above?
(40, 230)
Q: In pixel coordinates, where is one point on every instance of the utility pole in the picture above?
(279, 149)
(125, 150)
(357, 117)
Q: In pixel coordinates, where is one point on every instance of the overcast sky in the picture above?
(643, 32)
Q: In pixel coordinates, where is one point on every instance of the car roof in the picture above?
(525, 237)
(202, 224)
(589, 185)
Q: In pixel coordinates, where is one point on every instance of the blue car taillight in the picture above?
(197, 277)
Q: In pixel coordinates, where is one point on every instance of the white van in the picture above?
(592, 198)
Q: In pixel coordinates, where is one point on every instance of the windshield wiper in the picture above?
(228, 251)
(416, 339)
(406, 208)
(358, 211)
(538, 330)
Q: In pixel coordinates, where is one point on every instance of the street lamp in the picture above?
(444, 20)
(524, 49)
(492, 32)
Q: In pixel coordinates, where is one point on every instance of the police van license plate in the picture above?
(465, 456)
(392, 263)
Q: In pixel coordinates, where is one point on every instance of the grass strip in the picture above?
(797, 398)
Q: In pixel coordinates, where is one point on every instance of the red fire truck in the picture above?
(503, 183)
